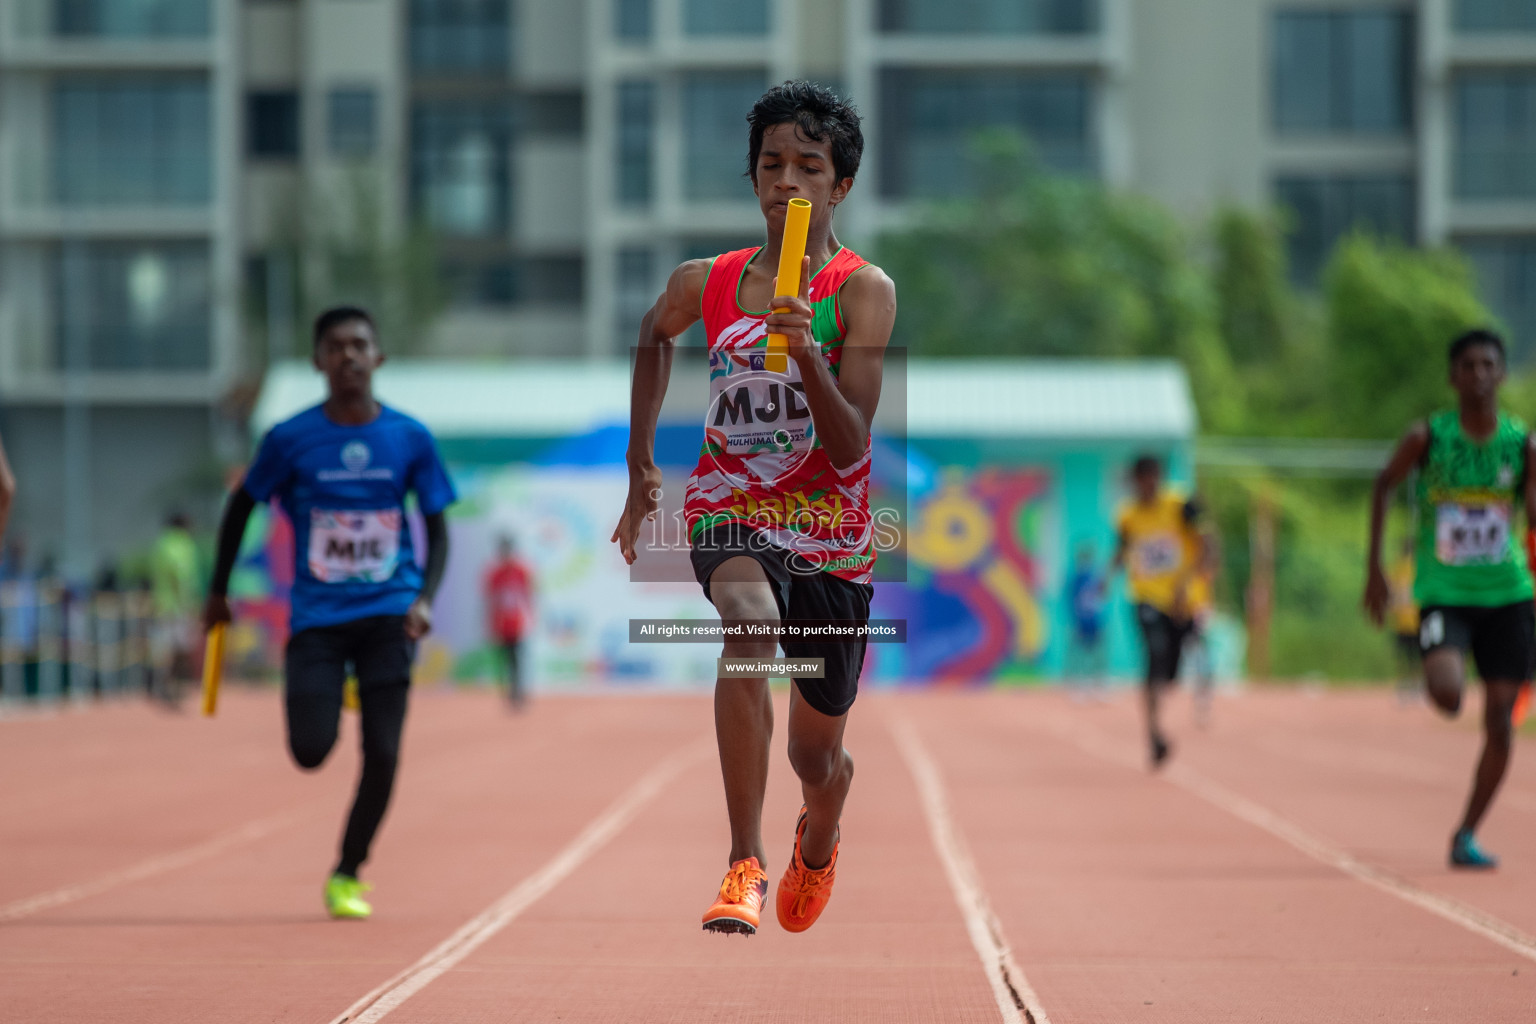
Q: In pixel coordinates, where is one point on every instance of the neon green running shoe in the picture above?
(344, 897)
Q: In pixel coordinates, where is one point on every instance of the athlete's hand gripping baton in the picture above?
(797, 223)
(213, 668)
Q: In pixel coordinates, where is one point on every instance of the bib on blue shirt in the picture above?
(344, 489)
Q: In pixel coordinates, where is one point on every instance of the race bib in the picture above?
(757, 412)
(1472, 534)
(1158, 555)
(353, 547)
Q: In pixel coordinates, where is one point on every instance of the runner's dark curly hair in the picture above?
(819, 113)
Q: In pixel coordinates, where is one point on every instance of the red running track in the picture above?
(551, 866)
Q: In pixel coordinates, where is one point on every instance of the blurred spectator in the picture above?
(509, 604)
(173, 580)
(1086, 593)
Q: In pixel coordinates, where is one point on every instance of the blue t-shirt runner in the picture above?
(344, 489)
(343, 472)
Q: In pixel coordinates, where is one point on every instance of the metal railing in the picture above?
(58, 644)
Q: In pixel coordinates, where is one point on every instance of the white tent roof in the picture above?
(1024, 398)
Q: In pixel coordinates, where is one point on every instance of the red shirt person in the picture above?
(508, 590)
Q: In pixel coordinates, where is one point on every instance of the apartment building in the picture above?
(165, 163)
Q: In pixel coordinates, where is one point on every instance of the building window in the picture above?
(636, 110)
(552, 280)
(272, 125)
(132, 140)
(553, 115)
(1506, 269)
(1341, 73)
(715, 106)
(632, 20)
(459, 165)
(1323, 209)
(717, 18)
(461, 37)
(634, 293)
(132, 19)
(1496, 15)
(928, 119)
(133, 305)
(1496, 134)
(1014, 17)
(352, 122)
(511, 281)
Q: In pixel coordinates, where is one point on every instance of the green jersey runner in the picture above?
(1473, 581)
(1468, 553)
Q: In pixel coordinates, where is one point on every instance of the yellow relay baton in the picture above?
(213, 668)
(797, 223)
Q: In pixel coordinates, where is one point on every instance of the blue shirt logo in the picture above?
(356, 456)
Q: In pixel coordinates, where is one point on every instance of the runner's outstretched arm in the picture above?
(1410, 452)
(678, 308)
(842, 407)
(237, 512)
(418, 620)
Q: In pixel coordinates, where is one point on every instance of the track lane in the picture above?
(483, 798)
(620, 941)
(1126, 897)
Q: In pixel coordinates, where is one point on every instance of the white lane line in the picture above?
(1477, 921)
(1383, 762)
(1455, 911)
(246, 833)
(376, 1005)
(1016, 1000)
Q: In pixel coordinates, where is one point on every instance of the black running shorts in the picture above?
(804, 595)
(376, 648)
(1502, 639)
(1164, 637)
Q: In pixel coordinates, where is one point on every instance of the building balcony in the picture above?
(912, 49)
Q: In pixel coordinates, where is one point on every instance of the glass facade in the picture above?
(928, 119)
(1022, 17)
(351, 122)
(1343, 73)
(512, 281)
(132, 140)
(133, 305)
(725, 17)
(1496, 134)
(1506, 270)
(459, 165)
(636, 126)
(635, 289)
(272, 126)
(632, 20)
(549, 115)
(132, 19)
(460, 38)
(1325, 208)
(1495, 15)
(715, 107)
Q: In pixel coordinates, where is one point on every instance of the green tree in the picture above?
(1035, 264)
(1255, 304)
(1391, 312)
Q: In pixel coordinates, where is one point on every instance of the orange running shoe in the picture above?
(803, 893)
(1522, 705)
(741, 899)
